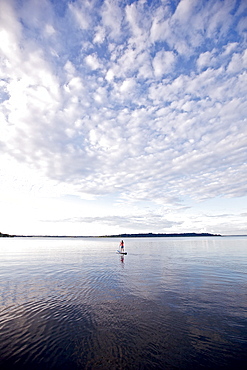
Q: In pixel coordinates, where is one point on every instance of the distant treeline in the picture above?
(159, 235)
(140, 235)
(5, 235)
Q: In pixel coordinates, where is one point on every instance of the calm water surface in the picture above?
(171, 303)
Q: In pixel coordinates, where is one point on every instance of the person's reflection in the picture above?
(122, 259)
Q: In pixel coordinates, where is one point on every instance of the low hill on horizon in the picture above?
(152, 235)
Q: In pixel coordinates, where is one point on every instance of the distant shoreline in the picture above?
(139, 235)
(159, 235)
(122, 236)
(6, 235)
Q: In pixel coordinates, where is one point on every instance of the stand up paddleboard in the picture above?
(121, 252)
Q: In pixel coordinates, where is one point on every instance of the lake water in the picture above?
(170, 303)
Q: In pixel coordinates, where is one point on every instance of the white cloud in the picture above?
(75, 85)
(159, 30)
(134, 17)
(49, 30)
(163, 63)
(78, 10)
(242, 25)
(109, 75)
(100, 35)
(184, 10)
(221, 18)
(127, 86)
(229, 48)
(112, 18)
(237, 63)
(205, 60)
(92, 61)
(10, 34)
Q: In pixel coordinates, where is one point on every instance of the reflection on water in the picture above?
(122, 260)
(171, 303)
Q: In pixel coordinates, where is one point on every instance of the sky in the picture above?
(123, 116)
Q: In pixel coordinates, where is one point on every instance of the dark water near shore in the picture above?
(171, 303)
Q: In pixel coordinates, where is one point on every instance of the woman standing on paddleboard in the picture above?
(121, 245)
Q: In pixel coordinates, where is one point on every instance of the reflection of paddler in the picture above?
(121, 245)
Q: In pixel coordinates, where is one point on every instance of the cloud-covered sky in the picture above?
(123, 116)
